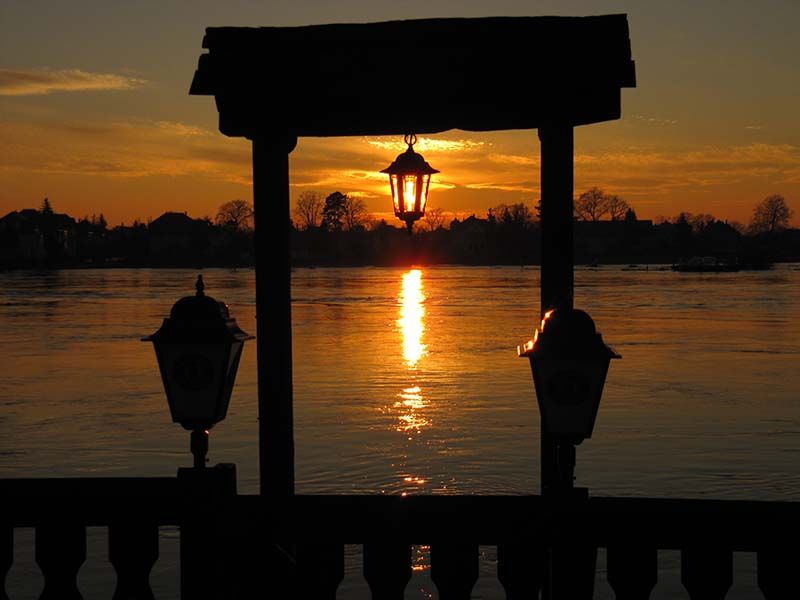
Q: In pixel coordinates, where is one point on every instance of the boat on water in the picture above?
(707, 264)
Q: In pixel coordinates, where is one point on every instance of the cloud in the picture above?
(37, 82)
(426, 144)
(132, 149)
(654, 120)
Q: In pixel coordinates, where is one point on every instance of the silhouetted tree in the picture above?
(537, 208)
(434, 218)
(617, 207)
(235, 214)
(630, 216)
(46, 209)
(591, 205)
(700, 222)
(333, 214)
(683, 233)
(771, 214)
(308, 209)
(355, 213)
(518, 214)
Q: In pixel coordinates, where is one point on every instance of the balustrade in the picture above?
(537, 552)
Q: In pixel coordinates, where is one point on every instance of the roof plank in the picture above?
(420, 75)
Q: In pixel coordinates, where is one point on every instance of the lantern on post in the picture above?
(569, 361)
(198, 348)
(409, 177)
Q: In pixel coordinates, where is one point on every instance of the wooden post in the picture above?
(274, 312)
(571, 568)
(557, 246)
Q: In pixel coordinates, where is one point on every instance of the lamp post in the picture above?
(409, 178)
(569, 362)
(198, 348)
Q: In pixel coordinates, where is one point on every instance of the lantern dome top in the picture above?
(568, 332)
(199, 306)
(199, 318)
(409, 162)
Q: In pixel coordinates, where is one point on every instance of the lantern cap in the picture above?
(567, 333)
(409, 162)
(199, 318)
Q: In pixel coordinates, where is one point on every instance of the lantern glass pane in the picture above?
(569, 393)
(409, 193)
(230, 377)
(423, 201)
(194, 376)
(396, 191)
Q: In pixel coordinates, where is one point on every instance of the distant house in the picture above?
(176, 238)
(719, 238)
(610, 240)
(471, 239)
(30, 238)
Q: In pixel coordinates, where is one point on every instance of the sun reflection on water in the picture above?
(410, 405)
(412, 317)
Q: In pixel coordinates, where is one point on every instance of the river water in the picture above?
(407, 381)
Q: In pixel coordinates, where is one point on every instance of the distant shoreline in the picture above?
(115, 266)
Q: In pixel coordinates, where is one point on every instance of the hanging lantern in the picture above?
(410, 177)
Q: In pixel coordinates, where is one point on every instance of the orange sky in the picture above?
(98, 118)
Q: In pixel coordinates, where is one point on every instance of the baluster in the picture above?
(777, 572)
(454, 569)
(6, 557)
(60, 552)
(572, 571)
(520, 568)
(707, 573)
(320, 570)
(132, 550)
(632, 571)
(387, 569)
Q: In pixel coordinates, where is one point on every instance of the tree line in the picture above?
(337, 229)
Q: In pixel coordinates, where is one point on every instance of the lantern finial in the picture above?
(200, 286)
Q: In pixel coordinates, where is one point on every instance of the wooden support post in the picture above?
(557, 147)
(570, 572)
(274, 312)
(557, 246)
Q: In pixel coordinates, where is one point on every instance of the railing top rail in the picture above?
(90, 500)
(604, 521)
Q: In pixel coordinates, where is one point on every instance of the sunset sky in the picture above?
(95, 111)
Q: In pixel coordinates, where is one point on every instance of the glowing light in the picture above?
(409, 192)
(412, 313)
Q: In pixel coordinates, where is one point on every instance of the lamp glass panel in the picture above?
(409, 192)
(569, 392)
(193, 376)
(233, 365)
(393, 180)
(423, 201)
